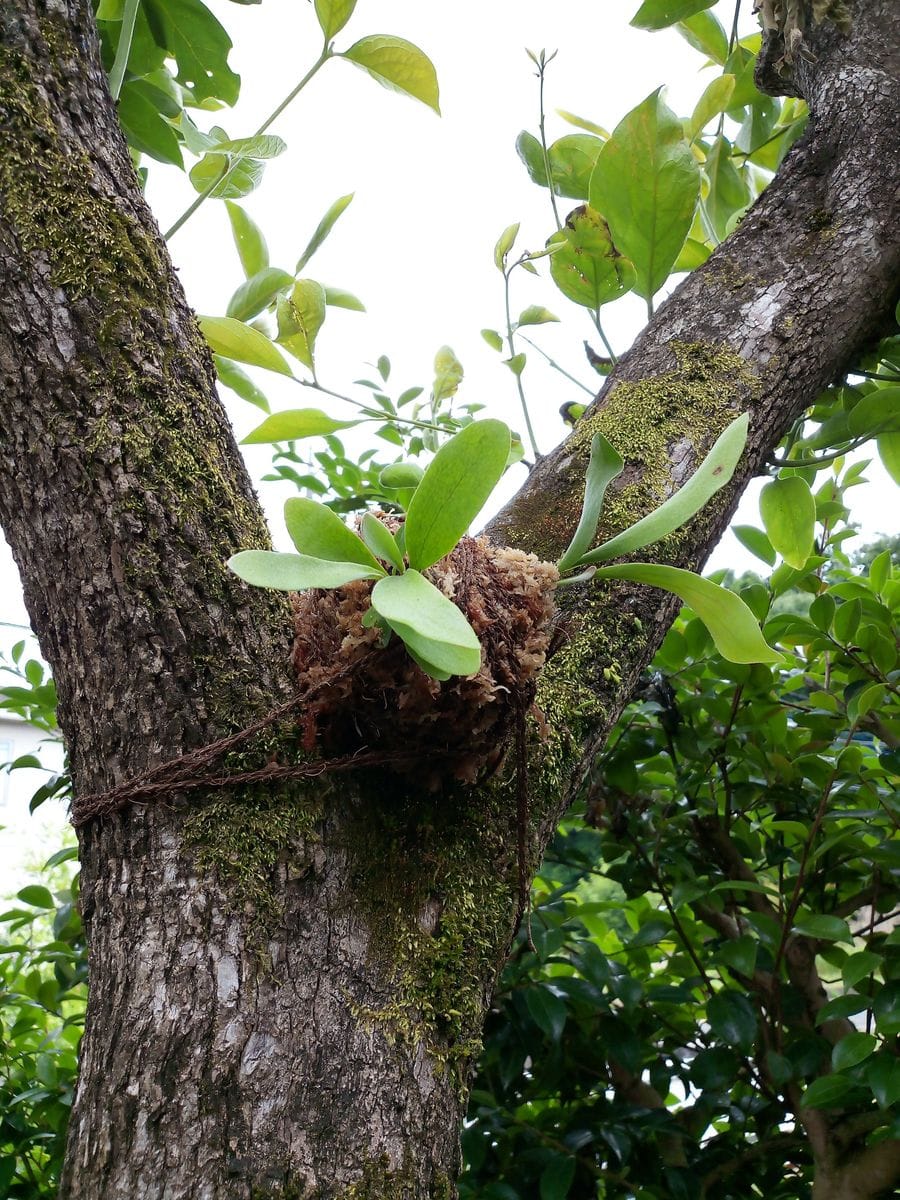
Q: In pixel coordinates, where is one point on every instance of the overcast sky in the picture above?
(431, 195)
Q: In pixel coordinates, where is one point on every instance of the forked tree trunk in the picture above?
(288, 983)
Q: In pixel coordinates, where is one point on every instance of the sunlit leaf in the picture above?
(300, 317)
(323, 229)
(333, 15)
(398, 65)
(448, 374)
(257, 292)
(505, 243)
(249, 240)
(535, 314)
(586, 266)
(234, 339)
(714, 100)
(338, 298)
(232, 180)
(294, 424)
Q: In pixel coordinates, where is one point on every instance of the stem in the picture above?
(707, 224)
(123, 49)
(373, 414)
(555, 365)
(510, 341)
(595, 317)
(239, 158)
(541, 69)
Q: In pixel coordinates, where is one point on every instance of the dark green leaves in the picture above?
(198, 43)
(732, 1018)
(454, 489)
(646, 183)
(398, 65)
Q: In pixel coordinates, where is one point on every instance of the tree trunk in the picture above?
(288, 982)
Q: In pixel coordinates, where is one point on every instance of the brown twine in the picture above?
(189, 770)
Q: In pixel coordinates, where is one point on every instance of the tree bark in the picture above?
(288, 983)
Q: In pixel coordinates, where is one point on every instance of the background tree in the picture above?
(216, 1057)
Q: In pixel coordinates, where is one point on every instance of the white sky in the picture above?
(432, 196)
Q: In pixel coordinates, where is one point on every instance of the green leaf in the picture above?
(756, 542)
(36, 896)
(505, 243)
(740, 954)
(145, 129)
(586, 266)
(886, 1009)
(333, 15)
(249, 240)
(714, 100)
(823, 927)
(198, 43)
(883, 1077)
(657, 14)
(516, 364)
(318, 531)
(605, 465)
(231, 375)
(572, 159)
(257, 292)
(296, 572)
(732, 1018)
(323, 229)
(448, 375)
(293, 424)
(398, 65)
(730, 622)
(889, 453)
(728, 194)
(826, 1092)
(260, 146)
(852, 1049)
(788, 511)
(712, 475)
(234, 339)
(401, 475)
(300, 317)
(380, 540)
(535, 314)
(338, 298)
(240, 181)
(454, 489)
(705, 33)
(693, 254)
(493, 339)
(877, 412)
(430, 625)
(846, 620)
(557, 1177)
(646, 183)
(548, 1011)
